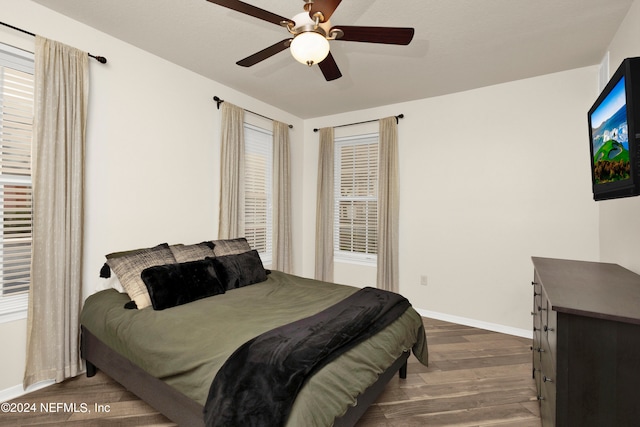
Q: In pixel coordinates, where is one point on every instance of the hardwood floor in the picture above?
(475, 378)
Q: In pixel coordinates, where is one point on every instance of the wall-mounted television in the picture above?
(614, 129)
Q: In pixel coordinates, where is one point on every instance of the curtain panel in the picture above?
(55, 295)
(281, 198)
(388, 206)
(231, 219)
(325, 207)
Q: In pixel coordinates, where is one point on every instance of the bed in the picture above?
(170, 357)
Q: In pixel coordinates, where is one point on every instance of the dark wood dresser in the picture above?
(586, 343)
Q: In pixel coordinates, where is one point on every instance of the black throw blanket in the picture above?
(257, 385)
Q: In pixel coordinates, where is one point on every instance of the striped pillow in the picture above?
(128, 268)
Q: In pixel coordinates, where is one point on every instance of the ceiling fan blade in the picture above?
(386, 35)
(264, 53)
(326, 7)
(251, 10)
(329, 68)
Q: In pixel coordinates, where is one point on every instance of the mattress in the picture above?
(185, 346)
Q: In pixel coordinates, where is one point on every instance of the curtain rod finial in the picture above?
(100, 59)
(218, 101)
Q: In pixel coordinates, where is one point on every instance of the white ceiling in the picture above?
(458, 45)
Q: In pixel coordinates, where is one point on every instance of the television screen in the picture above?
(610, 137)
(614, 128)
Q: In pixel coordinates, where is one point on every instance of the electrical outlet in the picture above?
(423, 280)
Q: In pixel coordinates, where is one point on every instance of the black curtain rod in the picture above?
(398, 117)
(100, 59)
(220, 101)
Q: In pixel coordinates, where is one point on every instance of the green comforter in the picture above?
(186, 345)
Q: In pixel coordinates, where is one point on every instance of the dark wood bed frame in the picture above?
(187, 412)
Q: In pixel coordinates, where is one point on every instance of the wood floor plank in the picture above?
(487, 416)
(481, 362)
(476, 378)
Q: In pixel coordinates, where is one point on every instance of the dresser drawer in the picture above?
(537, 304)
(536, 359)
(547, 403)
(546, 395)
(547, 366)
(547, 389)
(549, 333)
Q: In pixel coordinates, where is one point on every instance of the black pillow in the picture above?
(236, 271)
(171, 285)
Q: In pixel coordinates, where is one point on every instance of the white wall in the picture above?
(488, 178)
(619, 225)
(152, 159)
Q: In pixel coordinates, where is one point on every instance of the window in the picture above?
(16, 122)
(356, 198)
(258, 189)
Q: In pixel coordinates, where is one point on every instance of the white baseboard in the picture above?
(524, 333)
(17, 390)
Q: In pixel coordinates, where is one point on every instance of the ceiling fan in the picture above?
(312, 31)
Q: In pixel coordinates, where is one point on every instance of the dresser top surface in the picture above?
(593, 289)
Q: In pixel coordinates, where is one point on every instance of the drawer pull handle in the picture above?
(533, 313)
(535, 294)
(535, 329)
(534, 283)
(546, 328)
(540, 398)
(546, 379)
(540, 350)
(542, 308)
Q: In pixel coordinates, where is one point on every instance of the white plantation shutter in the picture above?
(16, 121)
(258, 190)
(356, 198)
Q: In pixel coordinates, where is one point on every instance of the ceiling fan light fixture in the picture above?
(312, 30)
(309, 47)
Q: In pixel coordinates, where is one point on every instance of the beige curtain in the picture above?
(55, 294)
(231, 220)
(324, 208)
(388, 206)
(281, 198)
